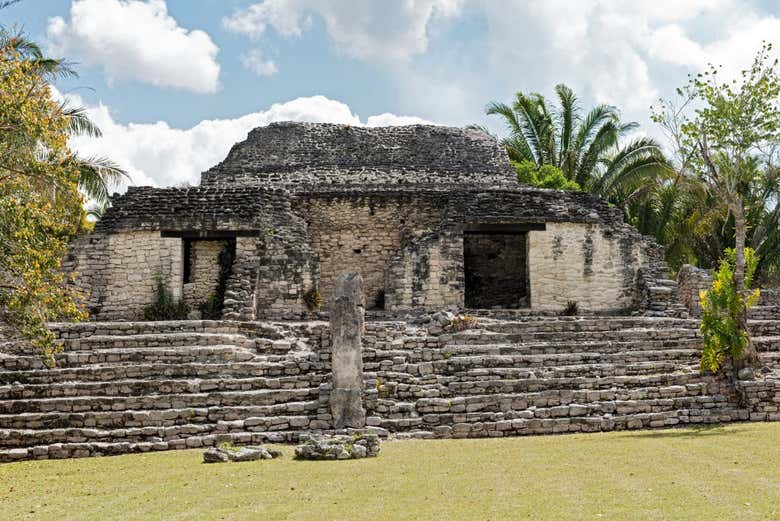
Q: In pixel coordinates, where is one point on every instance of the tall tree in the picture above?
(41, 207)
(586, 148)
(725, 133)
(97, 174)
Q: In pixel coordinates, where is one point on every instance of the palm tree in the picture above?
(97, 175)
(587, 149)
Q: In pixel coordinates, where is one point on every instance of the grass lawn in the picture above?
(730, 472)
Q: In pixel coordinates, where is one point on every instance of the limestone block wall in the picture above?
(361, 237)
(585, 263)
(690, 281)
(204, 271)
(427, 272)
(133, 260)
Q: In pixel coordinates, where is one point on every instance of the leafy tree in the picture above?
(545, 176)
(725, 134)
(587, 148)
(97, 175)
(722, 329)
(724, 141)
(40, 203)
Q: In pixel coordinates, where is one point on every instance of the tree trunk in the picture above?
(738, 210)
(750, 355)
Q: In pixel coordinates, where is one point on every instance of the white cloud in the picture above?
(160, 155)
(391, 120)
(256, 62)
(136, 39)
(381, 31)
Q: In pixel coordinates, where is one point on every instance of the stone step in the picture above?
(536, 426)
(171, 355)
(543, 362)
(570, 371)
(112, 372)
(591, 324)
(81, 450)
(155, 418)
(760, 328)
(479, 336)
(176, 339)
(153, 386)
(505, 402)
(156, 402)
(597, 410)
(16, 438)
(589, 350)
(401, 387)
(70, 330)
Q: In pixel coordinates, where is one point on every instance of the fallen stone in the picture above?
(337, 447)
(229, 453)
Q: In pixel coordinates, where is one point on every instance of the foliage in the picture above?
(545, 176)
(464, 322)
(723, 330)
(313, 299)
(40, 206)
(587, 148)
(571, 309)
(724, 135)
(164, 306)
(212, 309)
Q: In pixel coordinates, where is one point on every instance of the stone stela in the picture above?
(347, 324)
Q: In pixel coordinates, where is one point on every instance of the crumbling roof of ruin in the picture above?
(294, 153)
(208, 208)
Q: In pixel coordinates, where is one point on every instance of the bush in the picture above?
(545, 176)
(164, 307)
(313, 299)
(571, 309)
(464, 322)
(722, 325)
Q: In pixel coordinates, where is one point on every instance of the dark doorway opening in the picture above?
(496, 269)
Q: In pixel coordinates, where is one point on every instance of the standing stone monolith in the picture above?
(347, 318)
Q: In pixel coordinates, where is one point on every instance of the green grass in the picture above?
(730, 472)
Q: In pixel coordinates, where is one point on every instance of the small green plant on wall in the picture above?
(724, 323)
(164, 306)
(313, 299)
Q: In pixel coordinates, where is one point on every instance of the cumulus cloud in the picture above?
(136, 39)
(160, 155)
(383, 31)
(257, 63)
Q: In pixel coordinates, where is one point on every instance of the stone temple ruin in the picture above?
(435, 224)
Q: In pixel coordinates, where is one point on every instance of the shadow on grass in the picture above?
(700, 431)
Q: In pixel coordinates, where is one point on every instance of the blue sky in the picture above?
(174, 83)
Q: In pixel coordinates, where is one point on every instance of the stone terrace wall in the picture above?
(118, 261)
(354, 235)
(307, 153)
(585, 254)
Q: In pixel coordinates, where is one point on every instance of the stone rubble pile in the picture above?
(337, 447)
(225, 453)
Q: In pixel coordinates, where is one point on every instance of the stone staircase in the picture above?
(545, 375)
(137, 387)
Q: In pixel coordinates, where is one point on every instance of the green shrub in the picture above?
(164, 306)
(571, 309)
(545, 176)
(723, 327)
(313, 299)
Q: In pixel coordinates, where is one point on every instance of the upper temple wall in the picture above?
(285, 154)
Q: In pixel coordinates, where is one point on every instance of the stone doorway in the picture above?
(496, 269)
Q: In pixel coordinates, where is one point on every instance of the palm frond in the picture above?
(79, 122)
(98, 176)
